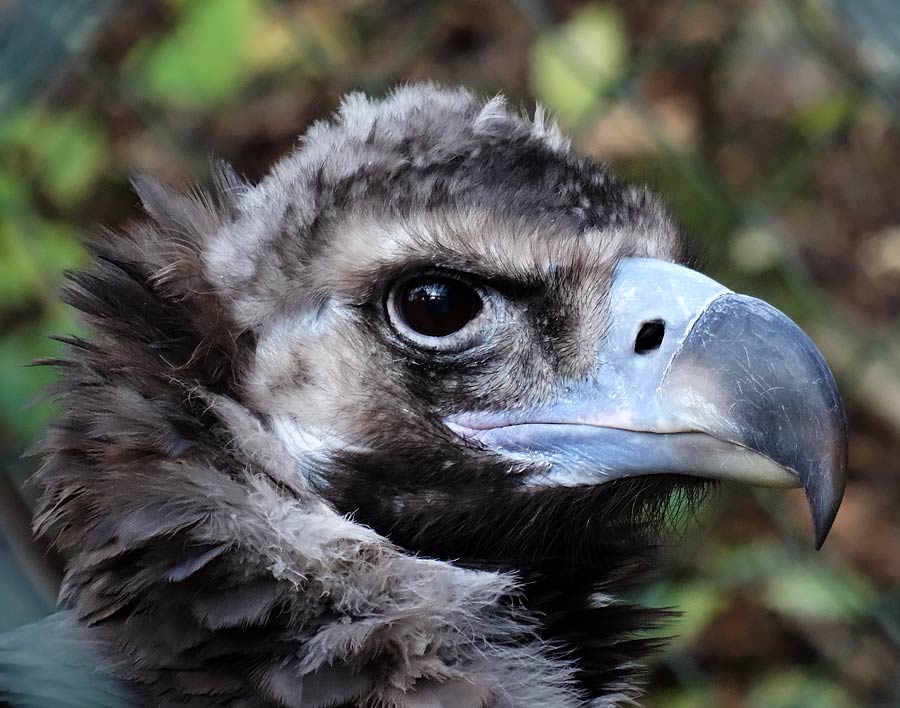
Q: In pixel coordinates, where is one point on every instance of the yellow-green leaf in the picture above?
(572, 68)
(203, 62)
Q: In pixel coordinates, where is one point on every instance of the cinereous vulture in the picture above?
(392, 427)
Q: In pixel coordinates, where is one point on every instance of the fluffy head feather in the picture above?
(259, 503)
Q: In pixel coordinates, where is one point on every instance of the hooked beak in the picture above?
(691, 379)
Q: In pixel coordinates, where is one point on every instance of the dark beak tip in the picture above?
(823, 519)
(825, 501)
(821, 532)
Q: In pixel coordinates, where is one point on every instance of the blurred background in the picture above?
(772, 127)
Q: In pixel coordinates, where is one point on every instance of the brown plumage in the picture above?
(254, 479)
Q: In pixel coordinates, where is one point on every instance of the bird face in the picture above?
(499, 363)
(436, 320)
(458, 319)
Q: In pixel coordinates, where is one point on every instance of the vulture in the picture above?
(399, 425)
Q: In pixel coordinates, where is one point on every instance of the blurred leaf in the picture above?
(755, 249)
(808, 591)
(23, 410)
(202, 63)
(271, 43)
(796, 689)
(826, 114)
(696, 697)
(13, 192)
(801, 589)
(743, 563)
(573, 67)
(72, 154)
(67, 152)
(33, 254)
(317, 39)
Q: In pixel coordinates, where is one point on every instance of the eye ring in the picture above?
(437, 310)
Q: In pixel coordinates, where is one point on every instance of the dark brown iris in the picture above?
(438, 307)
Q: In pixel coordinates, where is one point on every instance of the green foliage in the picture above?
(693, 698)
(34, 252)
(803, 589)
(202, 63)
(827, 114)
(24, 408)
(809, 591)
(574, 66)
(796, 689)
(65, 151)
(207, 57)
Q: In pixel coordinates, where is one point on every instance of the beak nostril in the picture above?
(649, 337)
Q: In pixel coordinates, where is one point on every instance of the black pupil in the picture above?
(438, 308)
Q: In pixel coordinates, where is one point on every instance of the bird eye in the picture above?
(437, 307)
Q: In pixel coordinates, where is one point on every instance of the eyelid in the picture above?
(478, 284)
(381, 279)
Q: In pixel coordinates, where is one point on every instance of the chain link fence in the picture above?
(772, 126)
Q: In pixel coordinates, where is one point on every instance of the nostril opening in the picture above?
(649, 337)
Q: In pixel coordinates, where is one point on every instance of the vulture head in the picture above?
(394, 426)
